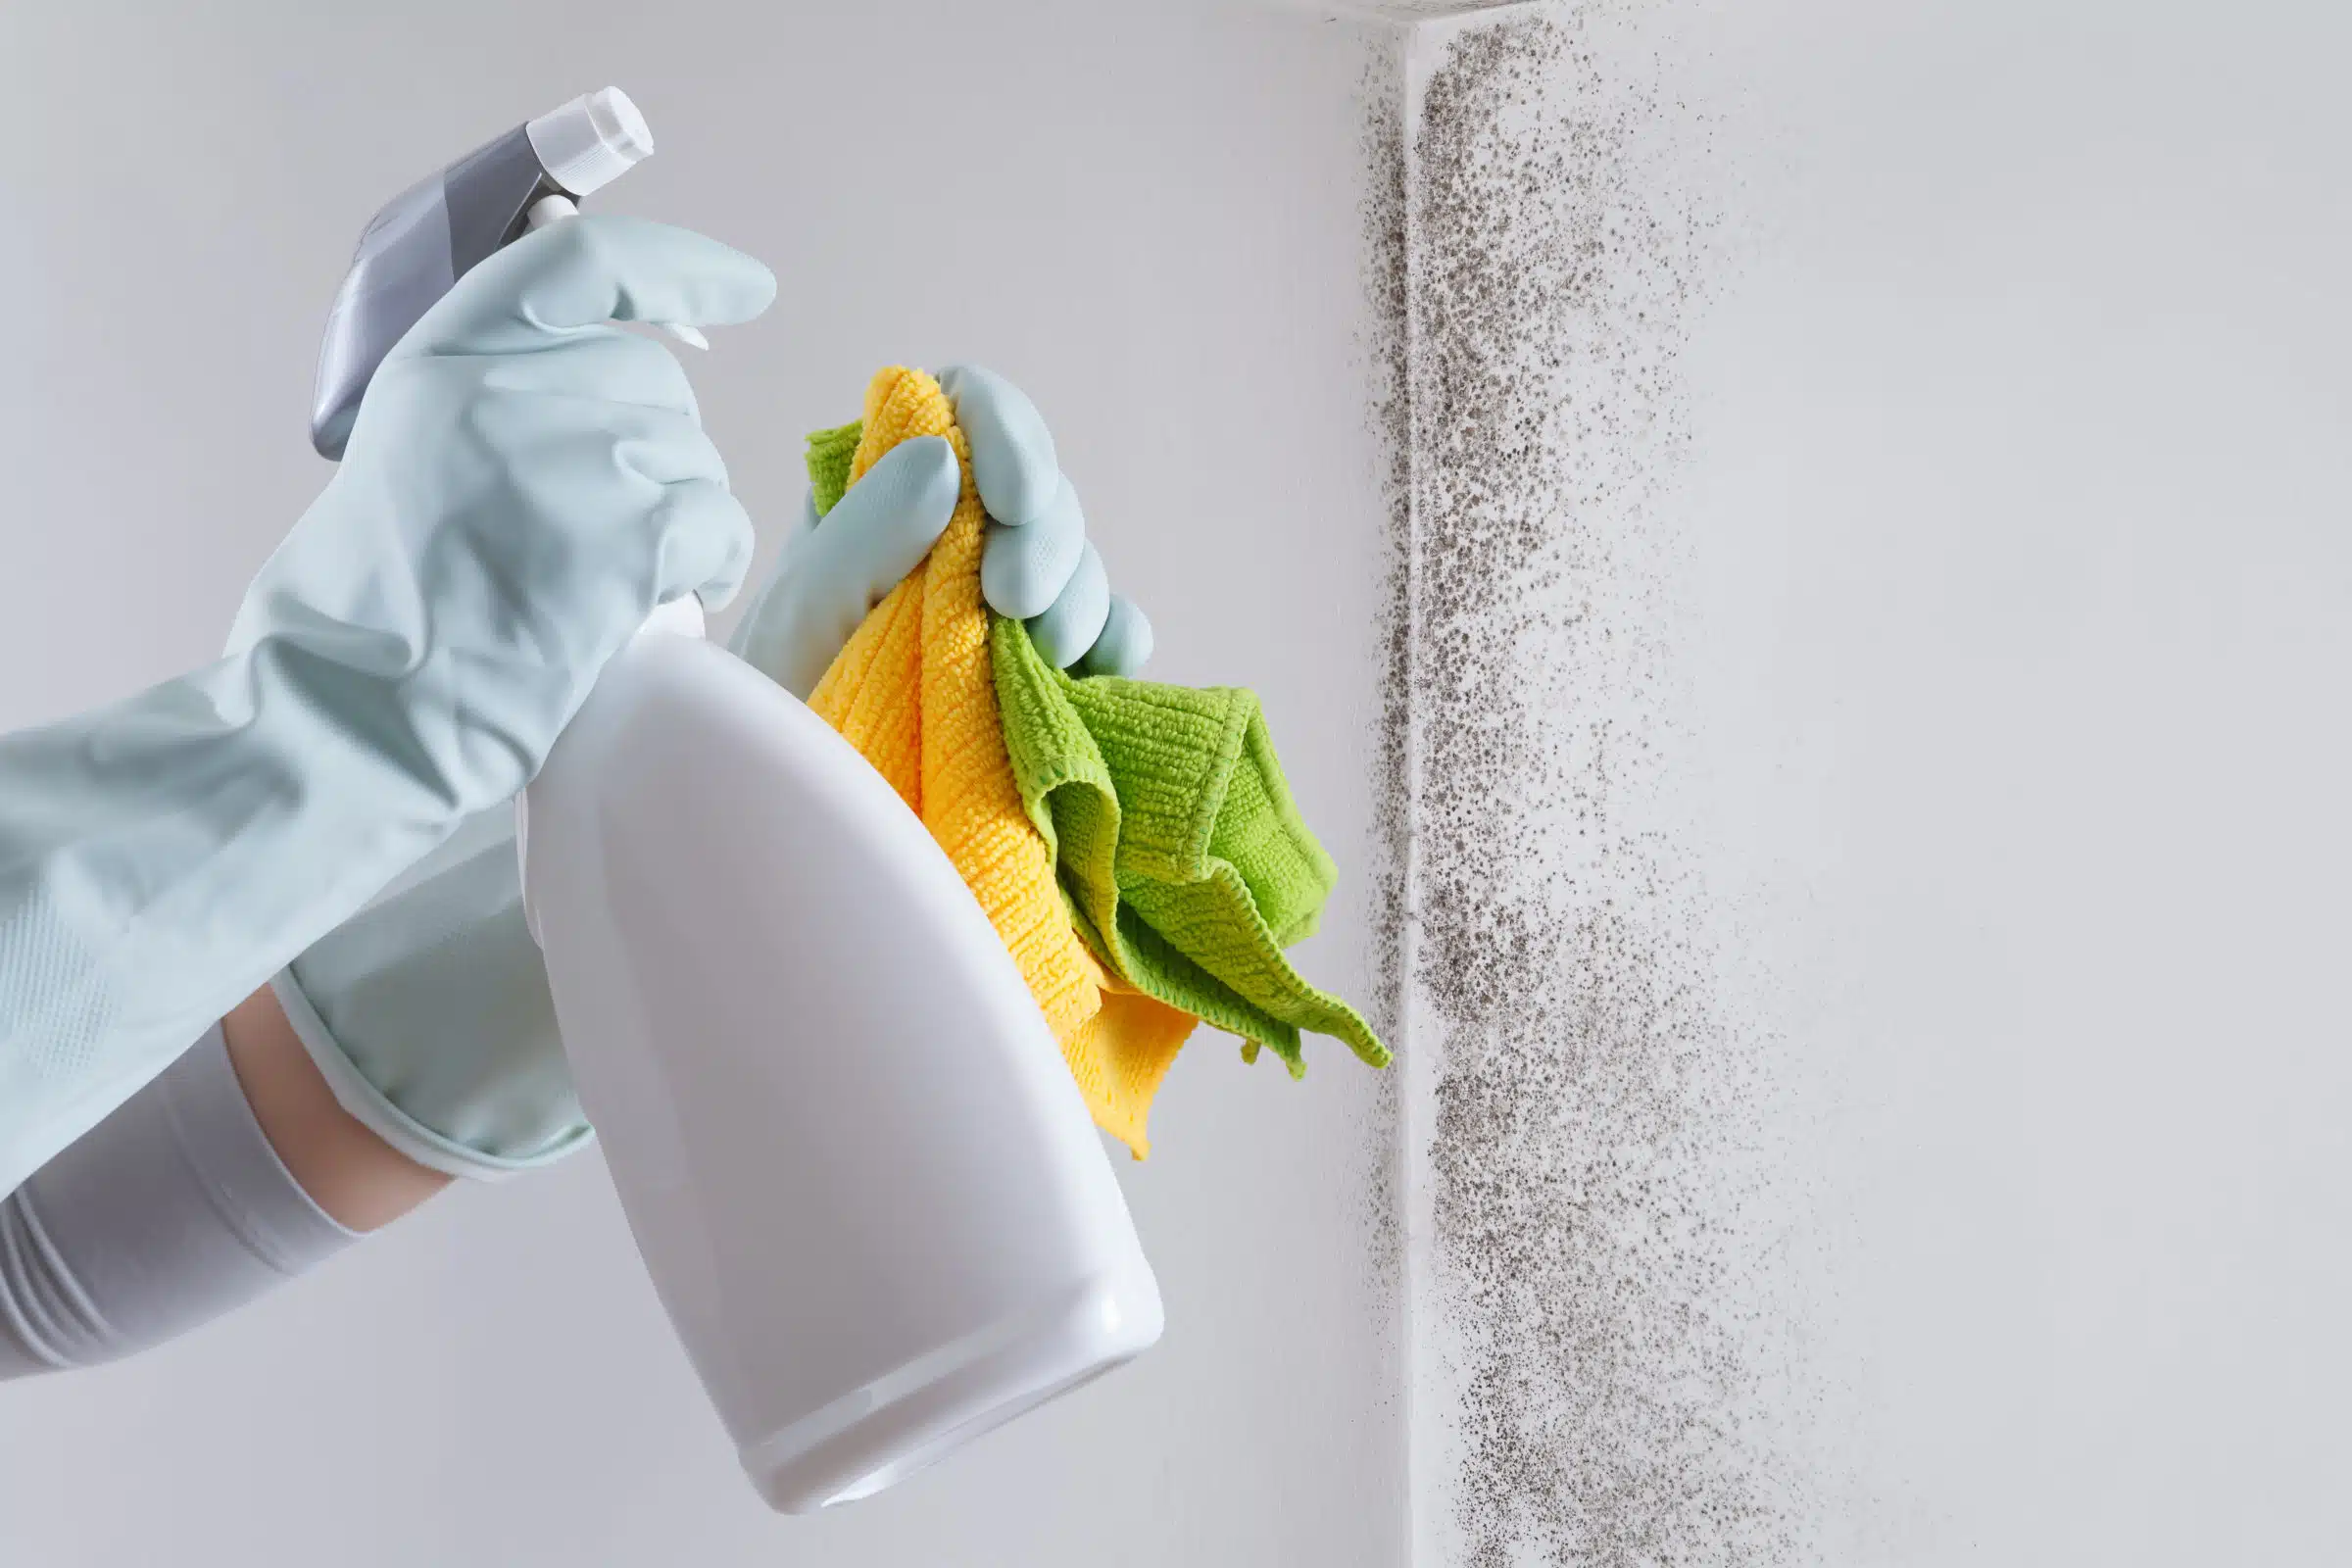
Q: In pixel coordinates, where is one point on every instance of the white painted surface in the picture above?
(1144, 213)
(2023, 494)
(2010, 649)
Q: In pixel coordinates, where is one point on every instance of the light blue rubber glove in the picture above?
(429, 1012)
(1036, 564)
(523, 487)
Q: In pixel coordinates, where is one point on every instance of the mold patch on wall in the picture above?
(1409, 9)
(1387, 368)
(1383, 364)
(1581, 1109)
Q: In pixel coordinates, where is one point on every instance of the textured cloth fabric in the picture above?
(914, 692)
(1159, 813)
(1174, 833)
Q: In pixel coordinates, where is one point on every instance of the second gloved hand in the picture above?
(1038, 564)
(429, 1012)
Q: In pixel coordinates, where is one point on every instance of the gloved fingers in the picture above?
(662, 445)
(1125, 644)
(826, 583)
(605, 363)
(585, 271)
(698, 536)
(1014, 462)
(564, 461)
(791, 635)
(897, 512)
(762, 635)
(1071, 627)
(1024, 570)
(702, 540)
(881, 530)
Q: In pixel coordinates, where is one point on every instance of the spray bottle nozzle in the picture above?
(591, 141)
(432, 234)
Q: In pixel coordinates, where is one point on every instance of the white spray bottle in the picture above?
(860, 1176)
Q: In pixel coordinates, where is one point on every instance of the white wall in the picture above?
(1896, 1122)
(1146, 214)
(1879, 1040)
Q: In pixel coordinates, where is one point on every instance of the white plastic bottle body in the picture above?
(867, 1190)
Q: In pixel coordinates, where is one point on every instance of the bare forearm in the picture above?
(358, 1178)
(229, 1174)
(174, 1209)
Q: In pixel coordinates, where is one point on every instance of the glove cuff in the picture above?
(368, 1106)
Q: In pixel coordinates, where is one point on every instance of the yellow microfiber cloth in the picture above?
(913, 691)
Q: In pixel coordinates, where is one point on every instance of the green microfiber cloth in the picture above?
(831, 453)
(1176, 841)
(1180, 852)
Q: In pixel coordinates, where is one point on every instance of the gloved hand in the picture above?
(1036, 564)
(523, 485)
(429, 1012)
(544, 482)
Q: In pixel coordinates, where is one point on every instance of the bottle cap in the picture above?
(590, 142)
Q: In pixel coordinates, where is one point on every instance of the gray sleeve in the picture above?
(172, 1211)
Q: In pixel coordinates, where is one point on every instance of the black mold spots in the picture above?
(1387, 284)
(1416, 10)
(1383, 215)
(1586, 1285)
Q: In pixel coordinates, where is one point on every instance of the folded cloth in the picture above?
(1174, 834)
(913, 691)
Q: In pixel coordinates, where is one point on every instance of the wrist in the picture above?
(361, 1182)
